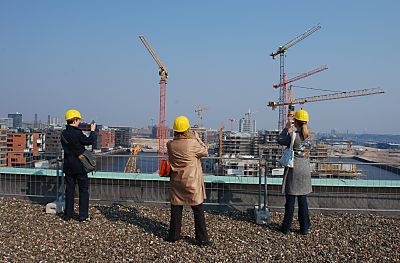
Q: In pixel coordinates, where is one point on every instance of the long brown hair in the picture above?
(303, 128)
(183, 135)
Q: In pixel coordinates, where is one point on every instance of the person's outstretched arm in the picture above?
(284, 138)
(200, 148)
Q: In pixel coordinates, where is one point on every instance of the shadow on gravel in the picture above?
(132, 216)
(231, 212)
(239, 215)
(39, 188)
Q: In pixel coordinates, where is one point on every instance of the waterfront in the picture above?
(369, 171)
(147, 163)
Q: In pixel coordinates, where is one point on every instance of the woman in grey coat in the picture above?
(297, 180)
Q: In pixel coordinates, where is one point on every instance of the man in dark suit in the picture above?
(73, 142)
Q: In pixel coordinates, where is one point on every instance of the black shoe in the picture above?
(304, 233)
(285, 231)
(207, 243)
(84, 220)
(66, 218)
(172, 240)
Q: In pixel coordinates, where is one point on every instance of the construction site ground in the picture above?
(370, 154)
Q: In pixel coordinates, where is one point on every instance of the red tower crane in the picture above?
(281, 52)
(301, 76)
(161, 128)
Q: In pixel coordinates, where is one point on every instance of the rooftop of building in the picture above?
(136, 233)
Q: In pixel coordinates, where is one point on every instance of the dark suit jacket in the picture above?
(78, 140)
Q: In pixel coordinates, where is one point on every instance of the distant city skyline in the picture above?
(236, 127)
(86, 55)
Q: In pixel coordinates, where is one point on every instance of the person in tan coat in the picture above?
(187, 182)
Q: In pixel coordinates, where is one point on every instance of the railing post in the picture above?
(262, 215)
(265, 185)
(58, 159)
(259, 183)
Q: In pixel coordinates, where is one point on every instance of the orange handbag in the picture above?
(165, 169)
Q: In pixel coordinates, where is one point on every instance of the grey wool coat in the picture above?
(187, 181)
(297, 180)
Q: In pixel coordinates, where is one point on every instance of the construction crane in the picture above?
(163, 73)
(333, 96)
(282, 76)
(299, 77)
(302, 76)
(130, 166)
(199, 111)
(221, 128)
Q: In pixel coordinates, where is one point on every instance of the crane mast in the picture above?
(282, 75)
(163, 73)
(221, 128)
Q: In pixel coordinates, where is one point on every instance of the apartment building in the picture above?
(3, 145)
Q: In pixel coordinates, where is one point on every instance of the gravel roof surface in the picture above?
(133, 233)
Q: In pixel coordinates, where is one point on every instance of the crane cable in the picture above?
(302, 87)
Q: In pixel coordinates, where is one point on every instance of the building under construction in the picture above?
(239, 150)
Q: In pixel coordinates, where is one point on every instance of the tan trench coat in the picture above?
(187, 181)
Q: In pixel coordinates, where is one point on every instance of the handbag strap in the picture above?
(293, 137)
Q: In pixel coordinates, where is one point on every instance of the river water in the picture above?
(369, 171)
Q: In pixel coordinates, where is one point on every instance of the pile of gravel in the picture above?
(136, 233)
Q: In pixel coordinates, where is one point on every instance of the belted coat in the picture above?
(186, 178)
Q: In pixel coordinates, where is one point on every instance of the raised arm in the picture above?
(284, 137)
(200, 148)
(85, 140)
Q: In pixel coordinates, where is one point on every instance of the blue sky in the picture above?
(56, 55)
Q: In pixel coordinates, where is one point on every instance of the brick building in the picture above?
(106, 138)
(3, 145)
(122, 136)
(24, 148)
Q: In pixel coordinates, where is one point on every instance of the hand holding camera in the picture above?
(93, 126)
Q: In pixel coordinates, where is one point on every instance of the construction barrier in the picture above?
(350, 185)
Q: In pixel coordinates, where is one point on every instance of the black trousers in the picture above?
(199, 222)
(303, 215)
(83, 183)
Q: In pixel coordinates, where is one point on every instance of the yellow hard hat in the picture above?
(181, 124)
(301, 115)
(71, 114)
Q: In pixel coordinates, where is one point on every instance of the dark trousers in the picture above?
(83, 183)
(304, 218)
(199, 222)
